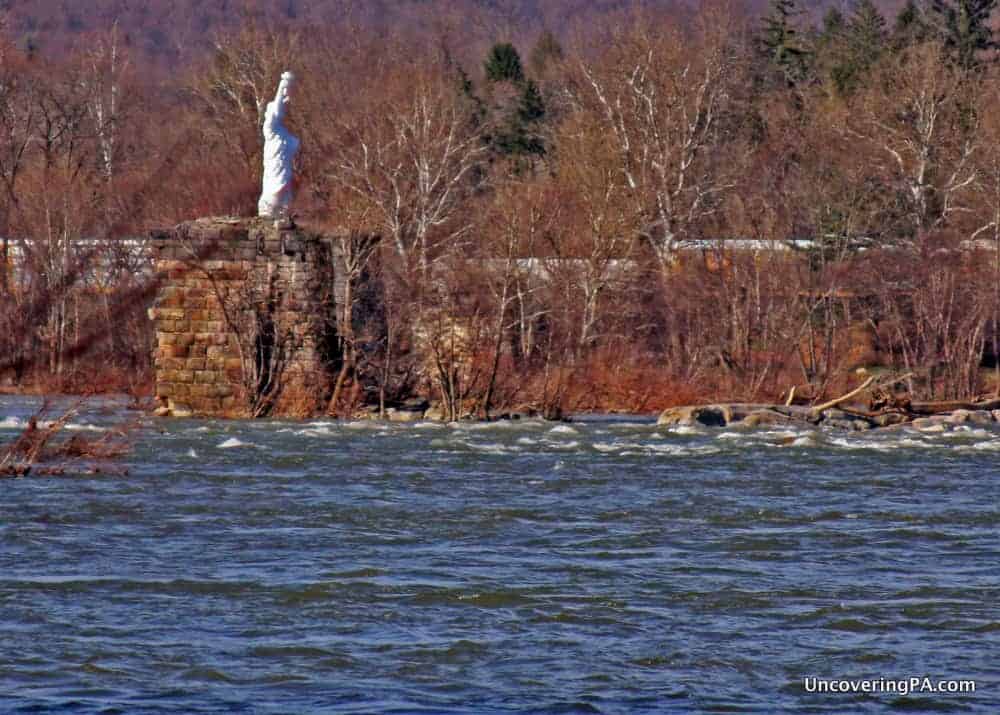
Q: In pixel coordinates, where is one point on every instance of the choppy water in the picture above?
(603, 567)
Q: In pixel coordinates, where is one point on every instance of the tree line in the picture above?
(673, 205)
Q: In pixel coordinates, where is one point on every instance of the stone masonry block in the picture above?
(211, 264)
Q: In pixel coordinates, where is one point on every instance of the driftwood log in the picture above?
(936, 408)
(843, 398)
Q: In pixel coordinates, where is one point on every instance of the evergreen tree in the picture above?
(866, 30)
(780, 42)
(518, 132)
(834, 24)
(532, 107)
(828, 44)
(467, 91)
(504, 64)
(847, 47)
(865, 38)
(516, 106)
(910, 27)
(964, 26)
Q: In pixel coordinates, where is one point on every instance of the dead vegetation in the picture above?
(43, 449)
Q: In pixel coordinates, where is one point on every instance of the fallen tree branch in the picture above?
(933, 408)
(870, 414)
(39, 450)
(843, 398)
(896, 381)
(18, 458)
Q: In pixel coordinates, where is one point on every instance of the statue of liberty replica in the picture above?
(280, 148)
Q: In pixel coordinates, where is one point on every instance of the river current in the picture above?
(603, 566)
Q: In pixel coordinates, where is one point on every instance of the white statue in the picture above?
(280, 148)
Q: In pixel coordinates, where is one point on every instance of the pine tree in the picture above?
(504, 64)
(829, 42)
(516, 105)
(910, 27)
(532, 107)
(964, 26)
(866, 30)
(847, 47)
(834, 24)
(518, 133)
(865, 40)
(780, 42)
(467, 91)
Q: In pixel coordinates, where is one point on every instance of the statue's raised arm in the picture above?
(280, 148)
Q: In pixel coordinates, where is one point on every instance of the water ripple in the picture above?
(605, 566)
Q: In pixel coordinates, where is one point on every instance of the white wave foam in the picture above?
(323, 431)
(493, 448)
(12, 422)
(83, 427)
(370, 425)
(563, 446)
(991, 446)
(606, 447)
(965, 432)
(564, 429)
(191, 453)
(485, 426)
(232, 442)
(784, 434)
(919, 443)
(678, 450)
(879, 443)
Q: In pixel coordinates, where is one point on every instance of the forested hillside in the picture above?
(553, 186)
(171, 30)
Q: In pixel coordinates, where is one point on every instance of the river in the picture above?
(604, 566)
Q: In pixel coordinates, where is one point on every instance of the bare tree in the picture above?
(596, 237)
(663, 98)
(239, 83)
(917, 118)
(410, 157)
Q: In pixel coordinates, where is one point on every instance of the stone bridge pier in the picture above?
(245, 318)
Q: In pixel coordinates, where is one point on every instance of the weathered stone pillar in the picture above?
(245, 319)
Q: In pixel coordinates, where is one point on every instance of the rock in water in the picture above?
(768, 418)
(709, 416)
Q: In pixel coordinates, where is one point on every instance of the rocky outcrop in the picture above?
(759, 415)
